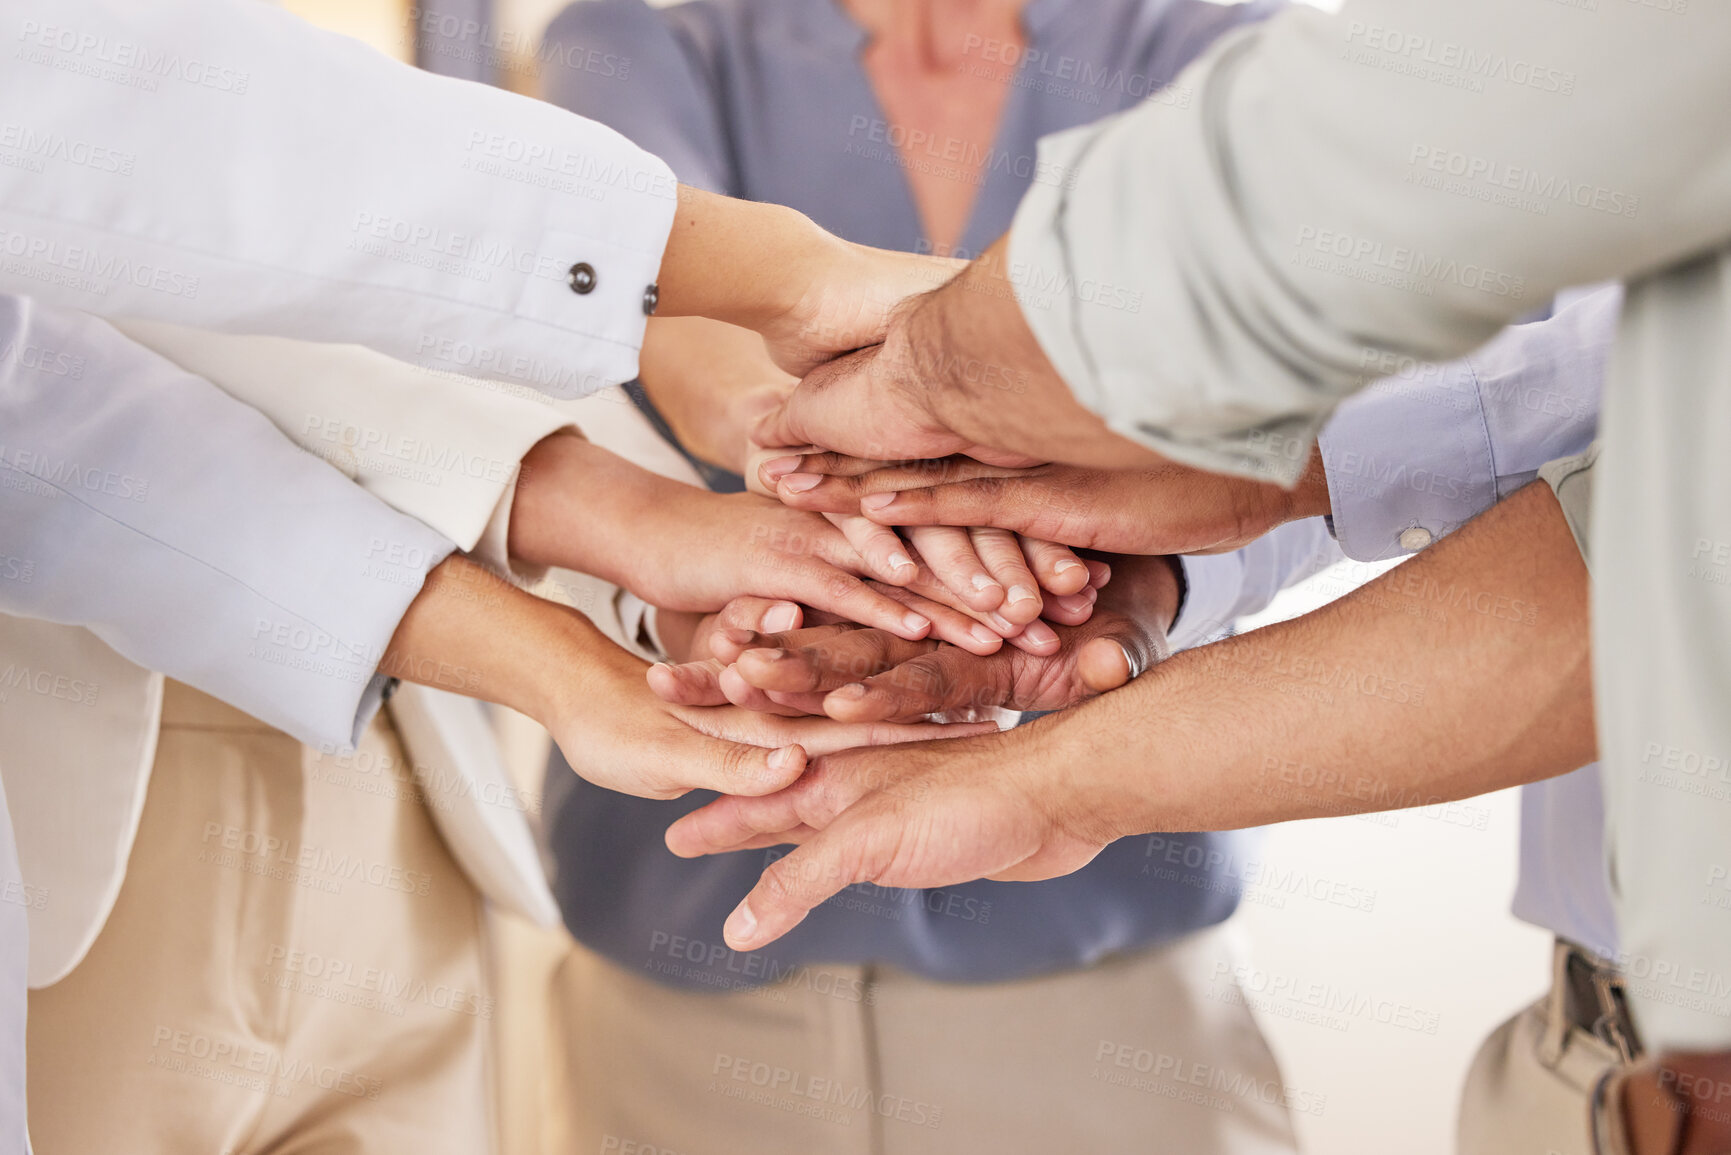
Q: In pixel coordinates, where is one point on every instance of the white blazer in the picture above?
(439, 448)
(232, 167)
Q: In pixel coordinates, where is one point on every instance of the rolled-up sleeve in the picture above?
(1397, 180)
(187, 532)
(232, 167)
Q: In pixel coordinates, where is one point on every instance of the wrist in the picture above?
(990, 383)
(1310, 497)
(473, 633)
(1148, 589)
(577, 507)
(1076, 765)
(748, 263)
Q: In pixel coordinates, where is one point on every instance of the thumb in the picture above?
(730, 768)
(1105, 664)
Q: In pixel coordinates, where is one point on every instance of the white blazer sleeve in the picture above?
(444, 449)
(184, 530)
(228, 165)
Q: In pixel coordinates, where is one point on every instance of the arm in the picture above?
(472, 230)
(470, 633)
(1351, 708)
(1413, 457)
(189, 534)
(854, 674)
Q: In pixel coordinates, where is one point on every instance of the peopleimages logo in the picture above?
(1331, 250)
(1473, 64)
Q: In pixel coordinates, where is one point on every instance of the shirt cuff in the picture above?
(1212, 585)
(639, 627)
(492, 548)
(1409, 460)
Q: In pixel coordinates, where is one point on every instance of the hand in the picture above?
(1170, 508)
(616, 733)
(958, 371)
(1187, 746)
(991, 571)
(683, 548)
(933, 814)
(848, 304)
(469, 632)
(854, 674)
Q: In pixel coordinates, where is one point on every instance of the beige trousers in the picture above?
(1152, 1052)
(1538, 1082)
(294, 964)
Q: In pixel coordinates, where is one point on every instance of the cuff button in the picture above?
(581, 278)
(1414, 539)
(651, 298)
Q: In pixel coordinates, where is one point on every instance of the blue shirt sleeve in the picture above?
(1428, 447)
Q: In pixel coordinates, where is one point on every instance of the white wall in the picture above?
(1413, 930)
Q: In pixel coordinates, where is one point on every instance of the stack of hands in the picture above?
(891, 579)
(921, 558)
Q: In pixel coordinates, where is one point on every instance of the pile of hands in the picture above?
(887, 580)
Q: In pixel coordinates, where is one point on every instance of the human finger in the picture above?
(950, 553)
(1002, 556)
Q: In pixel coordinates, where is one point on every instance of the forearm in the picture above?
(473, 633)
(1356, 706)
(743, 262)
(986, 379)
(579, 507)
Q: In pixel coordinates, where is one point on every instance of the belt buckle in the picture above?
(1614, 1026)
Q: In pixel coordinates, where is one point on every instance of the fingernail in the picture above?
(781, 759)
(741, 925)
(901, 561)
(915, 623)
(1022, 594)
(775, 467)
(983, 583)
(766, 655)
(1004, 625)
(781, 617)
(1039, 634)
(851, 690)
(737, 636)
(1067, 565)
(984, 636)
(878, 501)
(800, 482)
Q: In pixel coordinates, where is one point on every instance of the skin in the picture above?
(1352, 708)
(471, 633)
(683, 548)
(710, 381)
(1169, 508)
(763, 267)
(958, 372)
(856, 674)
(945, 100)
